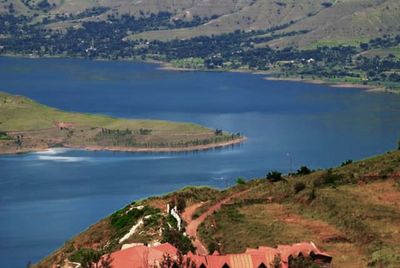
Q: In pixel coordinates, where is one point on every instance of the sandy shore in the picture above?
(166, 66)
(269, 76)
(132, 149)
(162, 149)
(369, 88)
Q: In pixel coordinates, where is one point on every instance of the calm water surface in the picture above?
(47, 197)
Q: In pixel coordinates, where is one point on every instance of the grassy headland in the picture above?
(351, 211)
(26, 125)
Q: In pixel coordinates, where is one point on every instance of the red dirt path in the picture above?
(193, 225)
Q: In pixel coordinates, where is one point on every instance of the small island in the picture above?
(28, 126)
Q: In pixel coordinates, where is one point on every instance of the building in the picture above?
(262, 257)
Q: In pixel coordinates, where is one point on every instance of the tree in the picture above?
(90, 258)
(180, 203)
(303, 171)
(302, 262)
(179, 262)
(347, 162)
(276, 262)
(176, 238)
(274, 176)
(240, 181)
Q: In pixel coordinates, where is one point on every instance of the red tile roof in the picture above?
(139, 256)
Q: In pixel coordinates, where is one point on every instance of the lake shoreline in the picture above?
(122, 149)
(167, 66)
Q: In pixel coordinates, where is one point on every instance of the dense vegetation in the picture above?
(239, 49)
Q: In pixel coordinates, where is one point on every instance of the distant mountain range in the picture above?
(318, 21)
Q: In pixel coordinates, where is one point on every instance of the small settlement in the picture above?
(166, 255)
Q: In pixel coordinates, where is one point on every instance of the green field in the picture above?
(30, 126)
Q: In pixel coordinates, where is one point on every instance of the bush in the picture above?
(298, 187)
(347, 162)
(302, 262)
(303, 171)
(87, 257)
(176, 238)
(122, 219)
(327, 179)
(240, 181)
(274, 176)
(312, 195)
(180, 204)
(398, 145)
(233, 214)
(384, 258)
(212, 247)
(4, 136)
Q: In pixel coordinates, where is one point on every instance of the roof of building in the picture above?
(140, 256)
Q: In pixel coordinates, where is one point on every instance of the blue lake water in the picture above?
(47, 197)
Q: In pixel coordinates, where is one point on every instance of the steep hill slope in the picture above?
(352, 212)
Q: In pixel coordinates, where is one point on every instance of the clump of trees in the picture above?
(303, 171)
(240, 181)
(90, 258)
(346, 163)
(274, 176)
(178, 262)
(176, 238)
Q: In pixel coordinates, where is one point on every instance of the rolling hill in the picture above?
(323, 21)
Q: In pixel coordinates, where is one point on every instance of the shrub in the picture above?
(212, 247)
(234, 214)
(347, 162)
(303, 171)
(122, 219)
(87, 257)
(298, 187)
(176, 238)
(398, 145)
(240, 181)
(180, 203)
(384, 258)
(274, 176)
(327, 179)
(276, 262)
(4, 136)
(302, 262)
(312, 195)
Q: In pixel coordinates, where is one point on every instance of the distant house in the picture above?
(64, 125)
(262, 257)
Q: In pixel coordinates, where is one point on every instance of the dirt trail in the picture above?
(193, 225)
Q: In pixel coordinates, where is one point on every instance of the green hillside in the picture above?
(336, 21)
(26, 125)
(351, 212)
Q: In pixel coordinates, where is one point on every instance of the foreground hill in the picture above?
(26, 125)
(351, 212)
